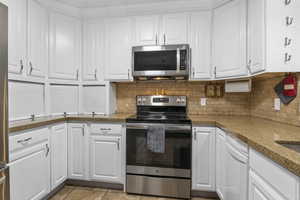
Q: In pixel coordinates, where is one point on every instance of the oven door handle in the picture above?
(169, 127)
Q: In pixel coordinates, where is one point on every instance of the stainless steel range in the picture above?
(158, 147)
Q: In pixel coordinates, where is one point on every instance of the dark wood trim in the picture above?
(113, 186)
(195, 193)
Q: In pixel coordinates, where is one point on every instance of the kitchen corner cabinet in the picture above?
(118, 40)
(200, 44)
(77, 151)
(29, 165)
(203, 159)
(17, 37)
(93, 54)
(108, 148)
(37, 39)
(65, 44)
(229, 40)
(59, 154)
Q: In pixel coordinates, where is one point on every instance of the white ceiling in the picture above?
(105, 3)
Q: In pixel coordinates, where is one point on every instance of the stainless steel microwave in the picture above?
(161, 62)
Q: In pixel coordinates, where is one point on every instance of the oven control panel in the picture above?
(161, 100)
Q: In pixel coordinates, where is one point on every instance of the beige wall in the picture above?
(262, 102)
(230, 104)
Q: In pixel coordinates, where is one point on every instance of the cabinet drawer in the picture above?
(111, 129)
(29, 138)
(279, 178)
(237, 144)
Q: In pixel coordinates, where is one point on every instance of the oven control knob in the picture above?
(183, 100)
(178, 100)
(144, 100)
(139, 100)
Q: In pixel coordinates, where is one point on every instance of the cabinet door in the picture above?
(229, 40)
(30, 174)
(64, 47)
(76, 151)
(37, 39)
(236, 172)
(105, 158)
(174, 29)
(256, 35)
(200, 42)
(146, 30)
(260, 190)
(93, 54)
(17, 36)
(203, 159)
(59, 158)
(118, 49)
(220, 162)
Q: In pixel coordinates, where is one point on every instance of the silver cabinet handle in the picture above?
(287, 2)
(118, 144)
(77, 74)
(249, 66)
(289, 20)
(95, 74)
(105, 129)
(215, 71)
(25, 140)
(22, 66)
(178, 60)
(31, 67)
(83, 131)
(156, 39)
(195, 136)
(287, 41)
(193, 72)
(47, 150)
(128, 74)
(287, 58)
(164, 39)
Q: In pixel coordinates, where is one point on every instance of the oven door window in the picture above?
(177, 150)
(155, 60)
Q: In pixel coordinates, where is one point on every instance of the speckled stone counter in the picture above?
(260, 134)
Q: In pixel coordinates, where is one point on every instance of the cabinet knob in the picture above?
(287, 2)
(22, 66)
(95, 74)
(30, 67)
(249, 66)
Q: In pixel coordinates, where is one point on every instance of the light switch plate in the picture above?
(203, 101)
(277, 104)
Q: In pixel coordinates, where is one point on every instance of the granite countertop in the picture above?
(260, 134)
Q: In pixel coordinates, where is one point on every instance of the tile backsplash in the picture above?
(258, 103)
(229, 104)
(262, 102)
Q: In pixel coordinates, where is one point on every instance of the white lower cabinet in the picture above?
(59, 155)
(269, 181)
(203, 159)
(76, 151)
(106, 158)
(30, 165)
(236, 169)
(220, 160)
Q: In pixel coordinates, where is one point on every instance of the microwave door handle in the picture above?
(178, 60)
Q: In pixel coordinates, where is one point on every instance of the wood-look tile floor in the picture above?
(85, 193)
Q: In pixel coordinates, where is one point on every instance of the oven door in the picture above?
(170, 60)
(174, 162)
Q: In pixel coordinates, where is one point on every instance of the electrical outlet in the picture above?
(203, 101)
(277, 104)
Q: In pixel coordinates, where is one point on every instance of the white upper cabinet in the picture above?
(17, 37)
(174, 29)
(256, 36)
(93, 54)
(203, 159)
(147, 30)
(229, 40)
(200, 43)
(37, 39)
(64, 47)
(118, 36)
